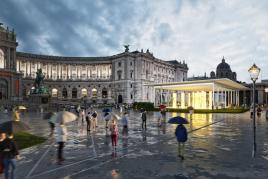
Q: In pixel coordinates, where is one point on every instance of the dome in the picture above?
(223, 65)
(212, 74)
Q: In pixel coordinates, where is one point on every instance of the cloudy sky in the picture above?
(200, 32)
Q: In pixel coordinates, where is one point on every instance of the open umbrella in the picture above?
(178, 120)
(63, 117)
(116, 116)
(106, 110)
(21, 107)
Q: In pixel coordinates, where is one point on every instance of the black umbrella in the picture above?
(178, 120)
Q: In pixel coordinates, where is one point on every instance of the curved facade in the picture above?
(118, 78)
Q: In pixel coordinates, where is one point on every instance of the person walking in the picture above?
(181, 135)
(9, 151)
(125, 123)
(94, 120)
(114, 133)
(51, 123)
(144, 118)
(61, 138)
(259, 110)
(107, 117)
(88, 120)
(16, 115)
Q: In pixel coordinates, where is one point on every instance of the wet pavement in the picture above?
(219, 146)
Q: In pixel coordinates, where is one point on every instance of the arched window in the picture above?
(104, 93)
(84, 92)
(54, 93)
(74, 93)
(94, 92)
(64, 93)
(2, 59)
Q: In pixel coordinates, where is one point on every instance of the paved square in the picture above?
(219, 146)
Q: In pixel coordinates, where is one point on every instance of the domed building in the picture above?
(223, 70)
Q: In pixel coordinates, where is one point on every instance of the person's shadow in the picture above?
(144, 136)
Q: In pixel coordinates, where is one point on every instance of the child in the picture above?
(114, 133)
(94, 120)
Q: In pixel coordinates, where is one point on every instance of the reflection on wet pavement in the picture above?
(221, 150)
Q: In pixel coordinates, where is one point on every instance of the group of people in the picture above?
(8, 155)
(91, 119)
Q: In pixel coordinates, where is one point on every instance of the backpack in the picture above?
(181, 134)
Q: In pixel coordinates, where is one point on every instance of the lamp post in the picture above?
(254, 73)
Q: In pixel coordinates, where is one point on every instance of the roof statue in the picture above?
(126, 48)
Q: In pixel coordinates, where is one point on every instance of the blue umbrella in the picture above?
(178, 120)
(106, 110)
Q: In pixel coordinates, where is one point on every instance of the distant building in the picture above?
(223, 70)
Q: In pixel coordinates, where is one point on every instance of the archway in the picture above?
(120, 99)
(64, 93)
(2, 59)
(74, 93)
(83, 92)
(3, 89)
(104, 93)
(94, 92)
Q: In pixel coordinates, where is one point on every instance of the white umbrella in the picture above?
(116, 116)
(21, 107)
(64, 117)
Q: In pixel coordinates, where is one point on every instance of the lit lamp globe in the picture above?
(254, 72)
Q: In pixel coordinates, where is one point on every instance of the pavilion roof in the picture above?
(202, 85)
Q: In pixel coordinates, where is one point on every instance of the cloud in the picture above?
(200, 32)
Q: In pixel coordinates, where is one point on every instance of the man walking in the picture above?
(144, 118)
(9, 153)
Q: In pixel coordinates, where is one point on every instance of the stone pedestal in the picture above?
(39, 98)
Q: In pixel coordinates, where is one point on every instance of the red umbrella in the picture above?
(162, 106)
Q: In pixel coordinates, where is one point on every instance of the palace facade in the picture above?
(119, 78)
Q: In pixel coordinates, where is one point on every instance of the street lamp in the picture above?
(254, 72)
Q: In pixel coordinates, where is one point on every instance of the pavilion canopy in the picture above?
(223, 84)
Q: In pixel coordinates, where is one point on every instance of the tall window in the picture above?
(54, 93)
(131, 74)
(84, 92)
(64, 93)
(74, 93)
(2, 59)
(104, 93)
(119, 74)
(94, 92)
(119, 64)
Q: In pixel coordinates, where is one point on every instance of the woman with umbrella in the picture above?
(61, 119)
(180, 133)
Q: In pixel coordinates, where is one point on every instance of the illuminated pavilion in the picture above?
(200, 94)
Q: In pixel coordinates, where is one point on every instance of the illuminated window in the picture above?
(94, 92)
(54, 93)
(84, 92)
(2, 59)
